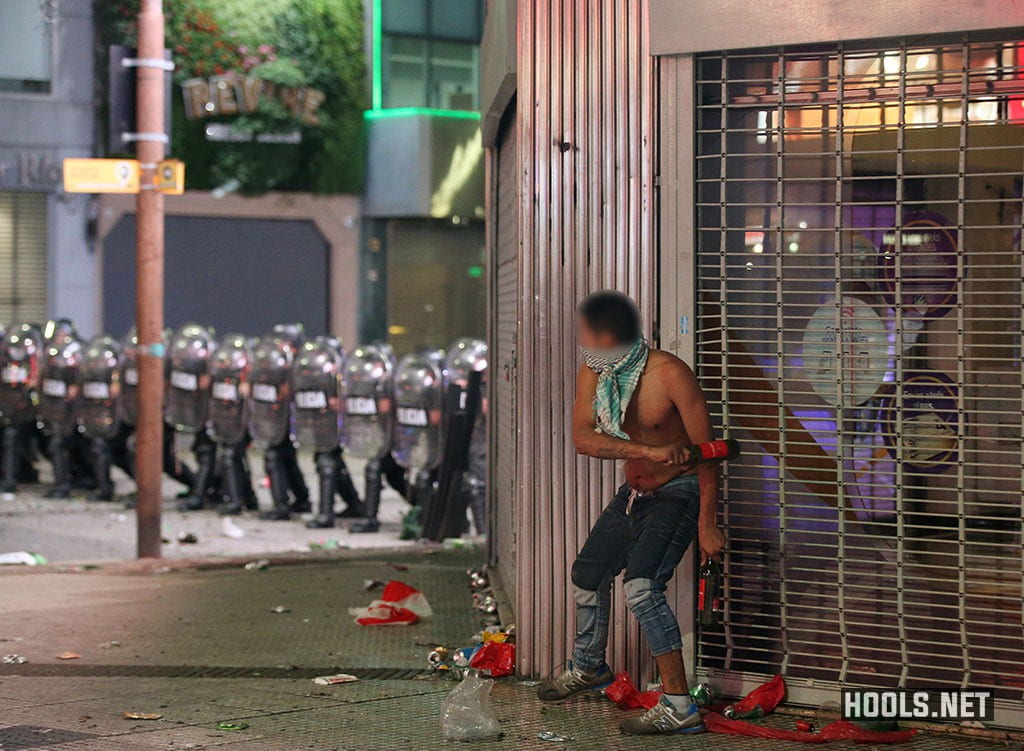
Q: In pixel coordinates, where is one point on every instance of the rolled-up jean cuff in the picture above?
(666, 650)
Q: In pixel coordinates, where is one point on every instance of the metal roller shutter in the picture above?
(505, 310)
(867, 195)
(23, 258)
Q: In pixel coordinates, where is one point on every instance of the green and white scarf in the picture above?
(618, 372)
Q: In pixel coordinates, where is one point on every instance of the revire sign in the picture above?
(232, 94)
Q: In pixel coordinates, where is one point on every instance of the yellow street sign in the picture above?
(170, 177)
(101, 176)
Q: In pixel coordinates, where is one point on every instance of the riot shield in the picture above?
(99, 378)
(368, 402)
(315, 385)
(128, 402)
(58, 385)
(418, 398)
(269, 392)
(188, 379)
(19, 373)
(229, 382)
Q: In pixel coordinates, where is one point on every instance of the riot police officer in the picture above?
(467, 355)
(58, 396)
(19, 373)
(99, 382)
(230, 364)
(419, 394)
(315, 381)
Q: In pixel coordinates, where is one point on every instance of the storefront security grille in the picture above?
(22, 258)
(860, 276)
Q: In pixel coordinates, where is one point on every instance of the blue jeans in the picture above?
(647, 539)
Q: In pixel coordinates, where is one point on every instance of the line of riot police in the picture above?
(279, 391)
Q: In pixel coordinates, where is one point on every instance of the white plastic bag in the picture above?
(466, 713)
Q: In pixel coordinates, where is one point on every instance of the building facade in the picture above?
(47, 264)
(423, 231)
(819, 208)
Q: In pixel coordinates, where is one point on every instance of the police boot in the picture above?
(101, 469)
(234, 495)
(10, 462)
(206, 459)
(395, 474)
(369, 521)
(278, 486)
(476, 493)
(61, 461)
(296, 482)
(245, 478)
(422, 488)
(326, 470)
(343, 485)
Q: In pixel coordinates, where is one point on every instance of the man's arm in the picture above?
(588, 441)
(684, 391)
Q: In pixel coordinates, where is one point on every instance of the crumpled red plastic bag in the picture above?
(625, 694)
(495, 659)
(840, 730)
(399, 605)
(761, 701)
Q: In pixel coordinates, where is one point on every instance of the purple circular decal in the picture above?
(927, 265)
(929, 426)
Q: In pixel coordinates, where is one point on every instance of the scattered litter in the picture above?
(547, 735)
(803, 726)
(759, 702)
(529, 683)
(485, 603)
(281, 609)
(437, 657)
(334, 680)
(110, 645)
(371, 584)
(261, 565)
(21, 558)
(456, 543)
(703, 694)
(462, 657)
(69, 656)
(14, 660)
(466, 713)
(228, 528)
(187, 538)
(232, 725)
(399, 605)
(625, 694)
(330, 544)
(142, 715)
(398, 566)
(478, 578)
(412, 529)
(494, 659)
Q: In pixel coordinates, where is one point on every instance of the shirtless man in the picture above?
(644, 406)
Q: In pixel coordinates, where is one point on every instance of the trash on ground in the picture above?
(803, 726)
(457, 543)
(529, 683)
(841, 730)
(232, 725)
(69, 656)
(280, 609)
(110, 645)
(261, 565)
(142, 715)
(21, 558)
(547, 735)
(334, 680)
(187, 538)
(466, 713)
(14, 660)
(399, 605)
(626, 695)
(228, 528)
(371, 584)
(478, 578)
(437, 657)
(703, 694)
(398, 566)
(485, 603)
(495, 660)
(759, 702)
(462, 657)
(412, 529)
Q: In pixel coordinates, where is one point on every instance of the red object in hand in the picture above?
(495, 659)
(625, 694)
(723, 449)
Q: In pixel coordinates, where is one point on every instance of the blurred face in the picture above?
(594, 340)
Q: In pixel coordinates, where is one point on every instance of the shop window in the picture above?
(429, 53)
(26, 46)
(22, 257)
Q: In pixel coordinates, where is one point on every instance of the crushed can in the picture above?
(709, 593)
(703, 695)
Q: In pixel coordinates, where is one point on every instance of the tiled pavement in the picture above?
(201, 647)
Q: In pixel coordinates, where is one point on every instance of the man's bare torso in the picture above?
(653, 419)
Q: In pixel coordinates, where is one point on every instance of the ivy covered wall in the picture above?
(289, 45)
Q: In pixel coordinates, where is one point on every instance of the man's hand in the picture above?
(711, 540)
(672, 454)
